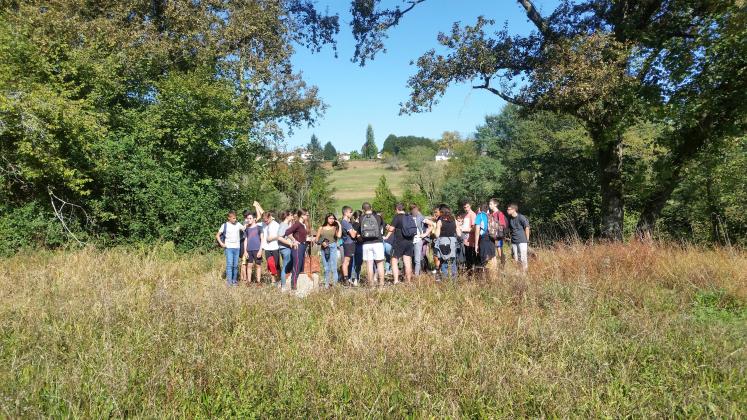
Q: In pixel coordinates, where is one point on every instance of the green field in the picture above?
(356, 184)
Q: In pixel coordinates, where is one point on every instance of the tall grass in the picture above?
(617, 330)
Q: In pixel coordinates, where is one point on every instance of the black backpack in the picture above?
(223, 235)
(370, 228)
(409, 227)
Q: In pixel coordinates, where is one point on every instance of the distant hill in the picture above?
(357, 183)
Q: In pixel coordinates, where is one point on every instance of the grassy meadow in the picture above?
(607, 330)
(357, 183)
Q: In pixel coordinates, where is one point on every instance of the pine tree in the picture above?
(369, 149)
(315, 148)
(330, 153)
(384, 201)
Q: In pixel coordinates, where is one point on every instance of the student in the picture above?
(270, 244)
(419, 242)
(253, 240)
(358, 258)
(519, 227)
(434, 219)
(298, 234)
(404, 230)
(242, 250)
(447, 232)
(229, 238)
(373, 246)
(470, 239)
(284, 245)
(327, 236)
(484, 246)
(499, 221)
(461, 258)
(349, 234)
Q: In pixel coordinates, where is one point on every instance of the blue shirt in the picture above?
(346, 227)
(482, 220)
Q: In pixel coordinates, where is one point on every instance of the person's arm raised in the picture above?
(258, 209)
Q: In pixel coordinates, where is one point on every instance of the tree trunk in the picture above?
(609, 165)
(692, 139)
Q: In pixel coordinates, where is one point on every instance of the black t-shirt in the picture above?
(357, 229)
(397, 223)
(448, 227)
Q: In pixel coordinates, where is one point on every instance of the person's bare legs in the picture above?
(259, 273)
(370, 271)
(407, 261)
(248, 271)
(345, 264)
(394, 263)
(380, 269)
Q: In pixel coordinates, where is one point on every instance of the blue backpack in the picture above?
(409, 227)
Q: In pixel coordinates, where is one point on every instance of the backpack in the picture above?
(370, 228)
(495, 228)
(409, 227)
(223, 236)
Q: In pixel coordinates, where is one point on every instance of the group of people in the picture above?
(443, 243)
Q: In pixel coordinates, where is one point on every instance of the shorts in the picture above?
(487, 250)
(499, 243)
(373, 251)
(251, 257)
(348, 249)
(403, 249)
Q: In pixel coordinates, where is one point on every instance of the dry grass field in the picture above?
(598, 331)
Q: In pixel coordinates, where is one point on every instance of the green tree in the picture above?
(369, 149)
(606, 63)
(416, 157)
(355, 155)
(384, 201)
(314, 148)
(330, 153)
(146, 117)
(395, 145)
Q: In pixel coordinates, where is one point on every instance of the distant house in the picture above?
(343, 156)
(444, 154)
(379, 155)
(301, 154)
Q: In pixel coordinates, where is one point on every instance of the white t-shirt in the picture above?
(233, 234)
(272, 230)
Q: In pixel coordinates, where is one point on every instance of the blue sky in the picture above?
(357, 96)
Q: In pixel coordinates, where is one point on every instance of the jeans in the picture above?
(285, 267)
(297, 256)
(357, 262)
(330, 264)
(387, 256)
(520, 254)
(447, 266)
(420, 251)
(232, 262)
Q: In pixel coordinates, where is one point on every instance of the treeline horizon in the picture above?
(137, 122)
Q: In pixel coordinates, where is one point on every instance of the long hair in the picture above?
(326, 219)
(446, 213)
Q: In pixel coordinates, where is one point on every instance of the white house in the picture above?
(343, 156)
(444, 154)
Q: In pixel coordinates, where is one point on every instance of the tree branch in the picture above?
(505, 97)
(536, 18)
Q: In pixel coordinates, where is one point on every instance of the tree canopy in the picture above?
(608, 63)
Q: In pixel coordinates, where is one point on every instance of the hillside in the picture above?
(356, 184)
